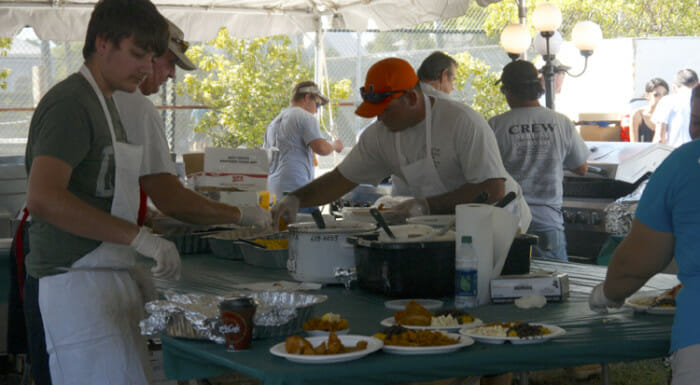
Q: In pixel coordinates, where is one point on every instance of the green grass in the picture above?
(646, 372)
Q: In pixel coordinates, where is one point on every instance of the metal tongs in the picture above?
(380, 220)
(318, 218)
(506, 199)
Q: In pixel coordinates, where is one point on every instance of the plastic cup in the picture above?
(237, 322)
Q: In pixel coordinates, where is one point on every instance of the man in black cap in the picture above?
(535, 142)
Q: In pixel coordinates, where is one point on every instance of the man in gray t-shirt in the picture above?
(536, 145)
(295, 136)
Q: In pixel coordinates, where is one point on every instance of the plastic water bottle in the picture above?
(466, 263)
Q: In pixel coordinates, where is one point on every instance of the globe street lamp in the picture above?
(546, 19)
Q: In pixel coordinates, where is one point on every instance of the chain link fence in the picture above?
(37, 65)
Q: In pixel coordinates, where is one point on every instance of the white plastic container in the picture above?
(315, 254)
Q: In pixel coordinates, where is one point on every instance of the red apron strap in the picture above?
(143, 205)
(19, 253)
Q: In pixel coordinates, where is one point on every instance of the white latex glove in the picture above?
(286, 207)
(255, 216)
(412, 207)
(162, 250)
(598, 302)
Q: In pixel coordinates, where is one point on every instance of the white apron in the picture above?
(421, 177)
(91, 313)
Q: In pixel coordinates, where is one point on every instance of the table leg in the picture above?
(605, 373)
(522, 378)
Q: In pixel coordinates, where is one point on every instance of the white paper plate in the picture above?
(400, 304)
(556, 332)
(409, 350)
(640, 303)
(388, 322)
(373, 345)
(431, 220)
(315, 333)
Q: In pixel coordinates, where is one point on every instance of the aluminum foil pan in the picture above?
(620, 214)
(196, 316)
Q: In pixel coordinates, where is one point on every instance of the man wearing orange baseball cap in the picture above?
(443, 151)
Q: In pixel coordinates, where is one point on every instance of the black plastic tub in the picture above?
(404, 269)
(519, 255)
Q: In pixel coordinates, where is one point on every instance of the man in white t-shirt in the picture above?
(444, 151)
(536, 144)
(295, 136)
(437, 74)
(672, 114)
(144, 125)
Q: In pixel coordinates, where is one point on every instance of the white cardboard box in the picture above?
(233, 169)
(508, 288)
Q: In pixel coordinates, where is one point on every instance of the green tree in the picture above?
(617, 18)
(485, 98)
(4, 72)
(246, 83)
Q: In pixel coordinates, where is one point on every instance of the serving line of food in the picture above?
(568, 333)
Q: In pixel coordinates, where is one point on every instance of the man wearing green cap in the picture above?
(443, 151)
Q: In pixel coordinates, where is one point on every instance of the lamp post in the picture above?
(546, 18)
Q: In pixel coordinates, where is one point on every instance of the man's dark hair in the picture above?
(525, 91)
(434, 65)
(520, 78)
(686, 77)
(116, 20)
(655, 82)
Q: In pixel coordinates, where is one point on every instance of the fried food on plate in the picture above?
(329, 322)
(300, 345)
(414, 315)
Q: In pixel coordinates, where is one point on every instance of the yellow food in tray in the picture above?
(273, 244)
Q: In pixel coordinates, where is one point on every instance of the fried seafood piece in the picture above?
(414, 315)
(667, 298)
(334, 344)
(298, 345)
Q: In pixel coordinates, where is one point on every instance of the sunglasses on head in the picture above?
(181, 43)
(376, 97)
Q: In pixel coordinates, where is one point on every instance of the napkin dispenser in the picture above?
(508, 288)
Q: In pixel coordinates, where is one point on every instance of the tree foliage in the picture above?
(617, 18)
(487, 98)
(246, 83)
(4, 72)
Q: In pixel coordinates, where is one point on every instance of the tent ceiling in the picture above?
(201, 19)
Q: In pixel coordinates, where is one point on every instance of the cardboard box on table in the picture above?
(599, 126)
(232, 175)
(508, 288)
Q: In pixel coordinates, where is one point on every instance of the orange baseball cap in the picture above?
(386, 80)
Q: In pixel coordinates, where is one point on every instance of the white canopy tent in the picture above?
(202, 19)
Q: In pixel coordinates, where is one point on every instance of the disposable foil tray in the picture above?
(196, 316)
(258, 256)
